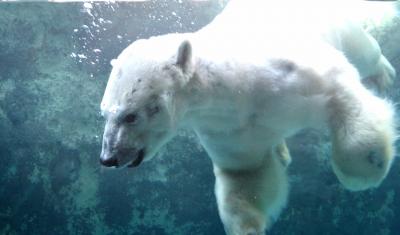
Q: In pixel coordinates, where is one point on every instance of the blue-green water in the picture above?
(54, 64)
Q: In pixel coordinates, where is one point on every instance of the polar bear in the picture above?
(243, 94)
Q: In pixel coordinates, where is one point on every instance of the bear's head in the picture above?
(139, 102)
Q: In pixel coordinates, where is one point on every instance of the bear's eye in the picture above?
(130, 118)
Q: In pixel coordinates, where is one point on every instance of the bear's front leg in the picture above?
(363, 136)
(249, 200)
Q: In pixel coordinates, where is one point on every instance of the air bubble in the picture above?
(88, 5)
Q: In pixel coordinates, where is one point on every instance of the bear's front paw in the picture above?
(241, 224)
(362, 169)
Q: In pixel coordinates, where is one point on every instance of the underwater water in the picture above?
(54, 65)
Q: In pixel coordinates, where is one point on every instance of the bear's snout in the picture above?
(107, 158)
(130, 157)
(113, 161)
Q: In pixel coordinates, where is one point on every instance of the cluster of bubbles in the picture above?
(87, 35)
(108, 27)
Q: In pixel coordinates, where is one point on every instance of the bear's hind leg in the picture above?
(363, 51)
(384, 76)
(249, 200)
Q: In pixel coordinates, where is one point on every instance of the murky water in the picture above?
(54, 65)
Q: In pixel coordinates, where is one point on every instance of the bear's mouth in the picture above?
(139, 158)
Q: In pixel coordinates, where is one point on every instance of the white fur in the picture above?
(294, 23)
(243, 94)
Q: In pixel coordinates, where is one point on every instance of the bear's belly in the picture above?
(240, 138)
(240, 148)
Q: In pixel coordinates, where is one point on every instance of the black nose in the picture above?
(109, 162)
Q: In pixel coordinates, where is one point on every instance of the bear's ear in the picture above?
(184, 58)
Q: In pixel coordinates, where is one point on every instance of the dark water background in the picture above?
(54, 64)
